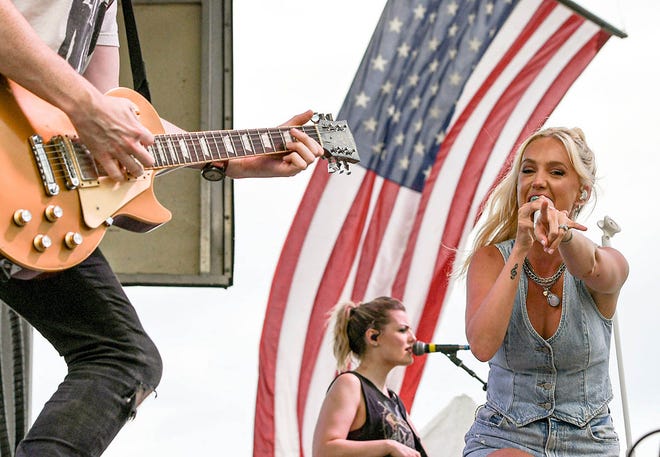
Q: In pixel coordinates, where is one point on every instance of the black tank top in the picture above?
(386, 417)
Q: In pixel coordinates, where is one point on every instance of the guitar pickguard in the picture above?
(100, 203)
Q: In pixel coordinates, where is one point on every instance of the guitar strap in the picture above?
(140, 83)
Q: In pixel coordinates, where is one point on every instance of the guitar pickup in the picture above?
(43, 165)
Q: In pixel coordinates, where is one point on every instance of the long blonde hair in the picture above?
(502, 206)
(352, 322)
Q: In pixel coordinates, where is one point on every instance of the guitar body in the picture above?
(85, 210)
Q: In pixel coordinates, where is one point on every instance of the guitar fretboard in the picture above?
(171, 150)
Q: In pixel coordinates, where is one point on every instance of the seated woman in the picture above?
(360, 416)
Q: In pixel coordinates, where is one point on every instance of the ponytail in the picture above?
(352, 322)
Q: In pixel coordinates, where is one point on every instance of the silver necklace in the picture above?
(545, 283)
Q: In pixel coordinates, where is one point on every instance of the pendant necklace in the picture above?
(545, 283)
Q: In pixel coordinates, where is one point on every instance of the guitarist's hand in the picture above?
(110, 129)
(304, 151)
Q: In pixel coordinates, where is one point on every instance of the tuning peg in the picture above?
(318, 117)
(342, 166)
(333, 165)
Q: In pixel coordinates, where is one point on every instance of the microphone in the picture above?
(537, 213)
(420, 348)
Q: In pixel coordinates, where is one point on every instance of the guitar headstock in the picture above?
(337, 142)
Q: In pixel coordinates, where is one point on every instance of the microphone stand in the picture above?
(459, 363)
(611, 228)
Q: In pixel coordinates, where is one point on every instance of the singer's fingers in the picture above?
(577, 226)
(540, 222)
(539, 234)
(540, 209)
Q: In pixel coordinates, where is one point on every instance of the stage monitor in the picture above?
(187, 50)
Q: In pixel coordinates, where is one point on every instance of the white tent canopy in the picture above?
(443, 435)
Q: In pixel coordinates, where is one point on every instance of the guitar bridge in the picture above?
(43, 164)
(65, 151)
(78, 165)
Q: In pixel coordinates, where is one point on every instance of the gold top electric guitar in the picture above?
(56, 204)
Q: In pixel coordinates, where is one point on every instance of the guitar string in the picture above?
(192, 143)
(192, 139)
(219, 134)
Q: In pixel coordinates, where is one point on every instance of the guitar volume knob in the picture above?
(73, 239)
(53, 212)
(22, 217)
(42, 242)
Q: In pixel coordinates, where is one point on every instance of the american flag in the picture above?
(445, 92)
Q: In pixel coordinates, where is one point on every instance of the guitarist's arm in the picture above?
(104, 68)
(106, 125)
(303, 153)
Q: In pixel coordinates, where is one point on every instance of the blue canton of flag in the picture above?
(414, 70)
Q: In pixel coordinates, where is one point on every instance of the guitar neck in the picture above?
(183, 149)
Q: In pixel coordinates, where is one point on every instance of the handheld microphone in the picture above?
(537, 213)
(420, 348)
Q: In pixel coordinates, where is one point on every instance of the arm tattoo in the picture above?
(514, 272)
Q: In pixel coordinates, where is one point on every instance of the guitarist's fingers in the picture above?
(296, 163)
(116, 138)
(306, 146)
(301, 155)
(140, 153)
(111, 167)
(136, 149)
(133, 167)
(118, 163)
(299, 119)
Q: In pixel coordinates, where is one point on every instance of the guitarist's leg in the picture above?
(112, 363)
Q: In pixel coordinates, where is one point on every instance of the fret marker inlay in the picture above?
(184, 149)
(245, 139)
(171, 150)
(265, 139)
(229, 147)
(205, 146)
(161, 153)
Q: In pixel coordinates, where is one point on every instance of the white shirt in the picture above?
(69, 26)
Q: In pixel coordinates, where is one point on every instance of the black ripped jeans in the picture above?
(87, 317)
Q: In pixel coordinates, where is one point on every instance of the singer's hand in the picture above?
(525, 236)
(550, 225)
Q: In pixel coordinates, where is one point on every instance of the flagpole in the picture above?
(585, 13)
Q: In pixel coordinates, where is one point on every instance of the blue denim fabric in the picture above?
(566, 376)
(543, 438)
(87, 317)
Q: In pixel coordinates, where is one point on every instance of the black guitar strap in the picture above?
(140, 83)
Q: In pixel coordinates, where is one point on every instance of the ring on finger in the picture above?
(563, 227)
